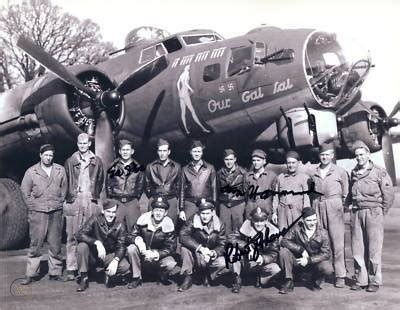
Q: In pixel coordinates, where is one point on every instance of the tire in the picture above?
(13, 216)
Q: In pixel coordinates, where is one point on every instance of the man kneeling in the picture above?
(265, 265)
(102, 243)
(305, 246)
(203, 242)
(152, 242)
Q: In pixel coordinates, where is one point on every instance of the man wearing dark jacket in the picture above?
(305, 246)
(85, 183)
(162, 179)
(265, 265)
(198, 180)
(125, 183)
(152, 243)
(102, 242)
(231, 206)
(203, 242)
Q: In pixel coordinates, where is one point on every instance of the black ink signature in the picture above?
(234, 254)
(253, 192)
(118, 171)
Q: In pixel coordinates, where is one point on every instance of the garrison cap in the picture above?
(110, 203)
(205, 204)
(124, 142)
(292, 154)
(160, 202)
(162, 141)
(259, 153)
(326, 147)
(308, 211)
(228, 152)
(360, 144)
(47, 147)
(197, 143)
(258, 215)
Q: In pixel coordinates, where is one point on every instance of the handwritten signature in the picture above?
(254, 244)
(117, 170)
(253, 192)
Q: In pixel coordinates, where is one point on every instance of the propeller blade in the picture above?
(104, 140)
(395, 109)
(387, 149)
(46, 60)
(143, 75)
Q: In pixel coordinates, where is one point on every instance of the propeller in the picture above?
(388, 157)
(102, 100)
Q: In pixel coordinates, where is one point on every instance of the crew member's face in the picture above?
(109, 214)
(196, 153)
(362, 156)
(159, 214)
(84, 145)
(230, 161)
(126, 152)
(258, 162)
(326, 157)
(259, 225)
(46, 158)
(163, 152)
(206, 216)
(310, 222)
(292, 164)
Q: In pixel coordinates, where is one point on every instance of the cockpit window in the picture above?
(152, 52)
(201, 38)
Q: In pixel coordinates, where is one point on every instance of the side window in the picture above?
(260, 52)
(212, 72)
(147, 54)
(241, 60)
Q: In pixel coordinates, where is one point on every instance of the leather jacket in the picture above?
(232, 180)
(156, 186)
(113, 237)
(196, 185)
(96, 174)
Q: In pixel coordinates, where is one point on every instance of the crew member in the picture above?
(44, 187)
(372, 195)
(85, 182)
(230, 179)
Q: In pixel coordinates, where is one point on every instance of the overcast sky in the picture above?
(374, 24)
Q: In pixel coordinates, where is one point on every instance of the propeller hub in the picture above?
(391, 122)
(110, 98)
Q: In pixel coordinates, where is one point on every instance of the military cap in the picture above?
(47, 147)
(292, 154)
(259, 153)
(124, 142)
(308, 211)
(110, 203)
(160, 202)
(326, 147)
(228, 152)
(360, 144)
(205, 204)
(197, 143)
(161, 142)
(258, 215)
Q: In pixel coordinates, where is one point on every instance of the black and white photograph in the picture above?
(199, 154)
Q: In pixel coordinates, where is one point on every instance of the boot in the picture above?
(186, 284)
(258, 282)
(237, 284)
(287, 287)
(69, 276)
(316, 285)
(372, 288)
(27, 280)
(135, 283)
(83, 284)
(339, 283)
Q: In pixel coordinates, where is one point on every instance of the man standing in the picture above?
(163, 177)
(290, 205)
(372, 195)
(44, 187)
(259, 185)
(198, 180)
(152, 244)
(305, 246)
(85, 182)
(203, 242)
(333, 183)
(125, 183)
(231, 206)
(102, 243)
(265, 265)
